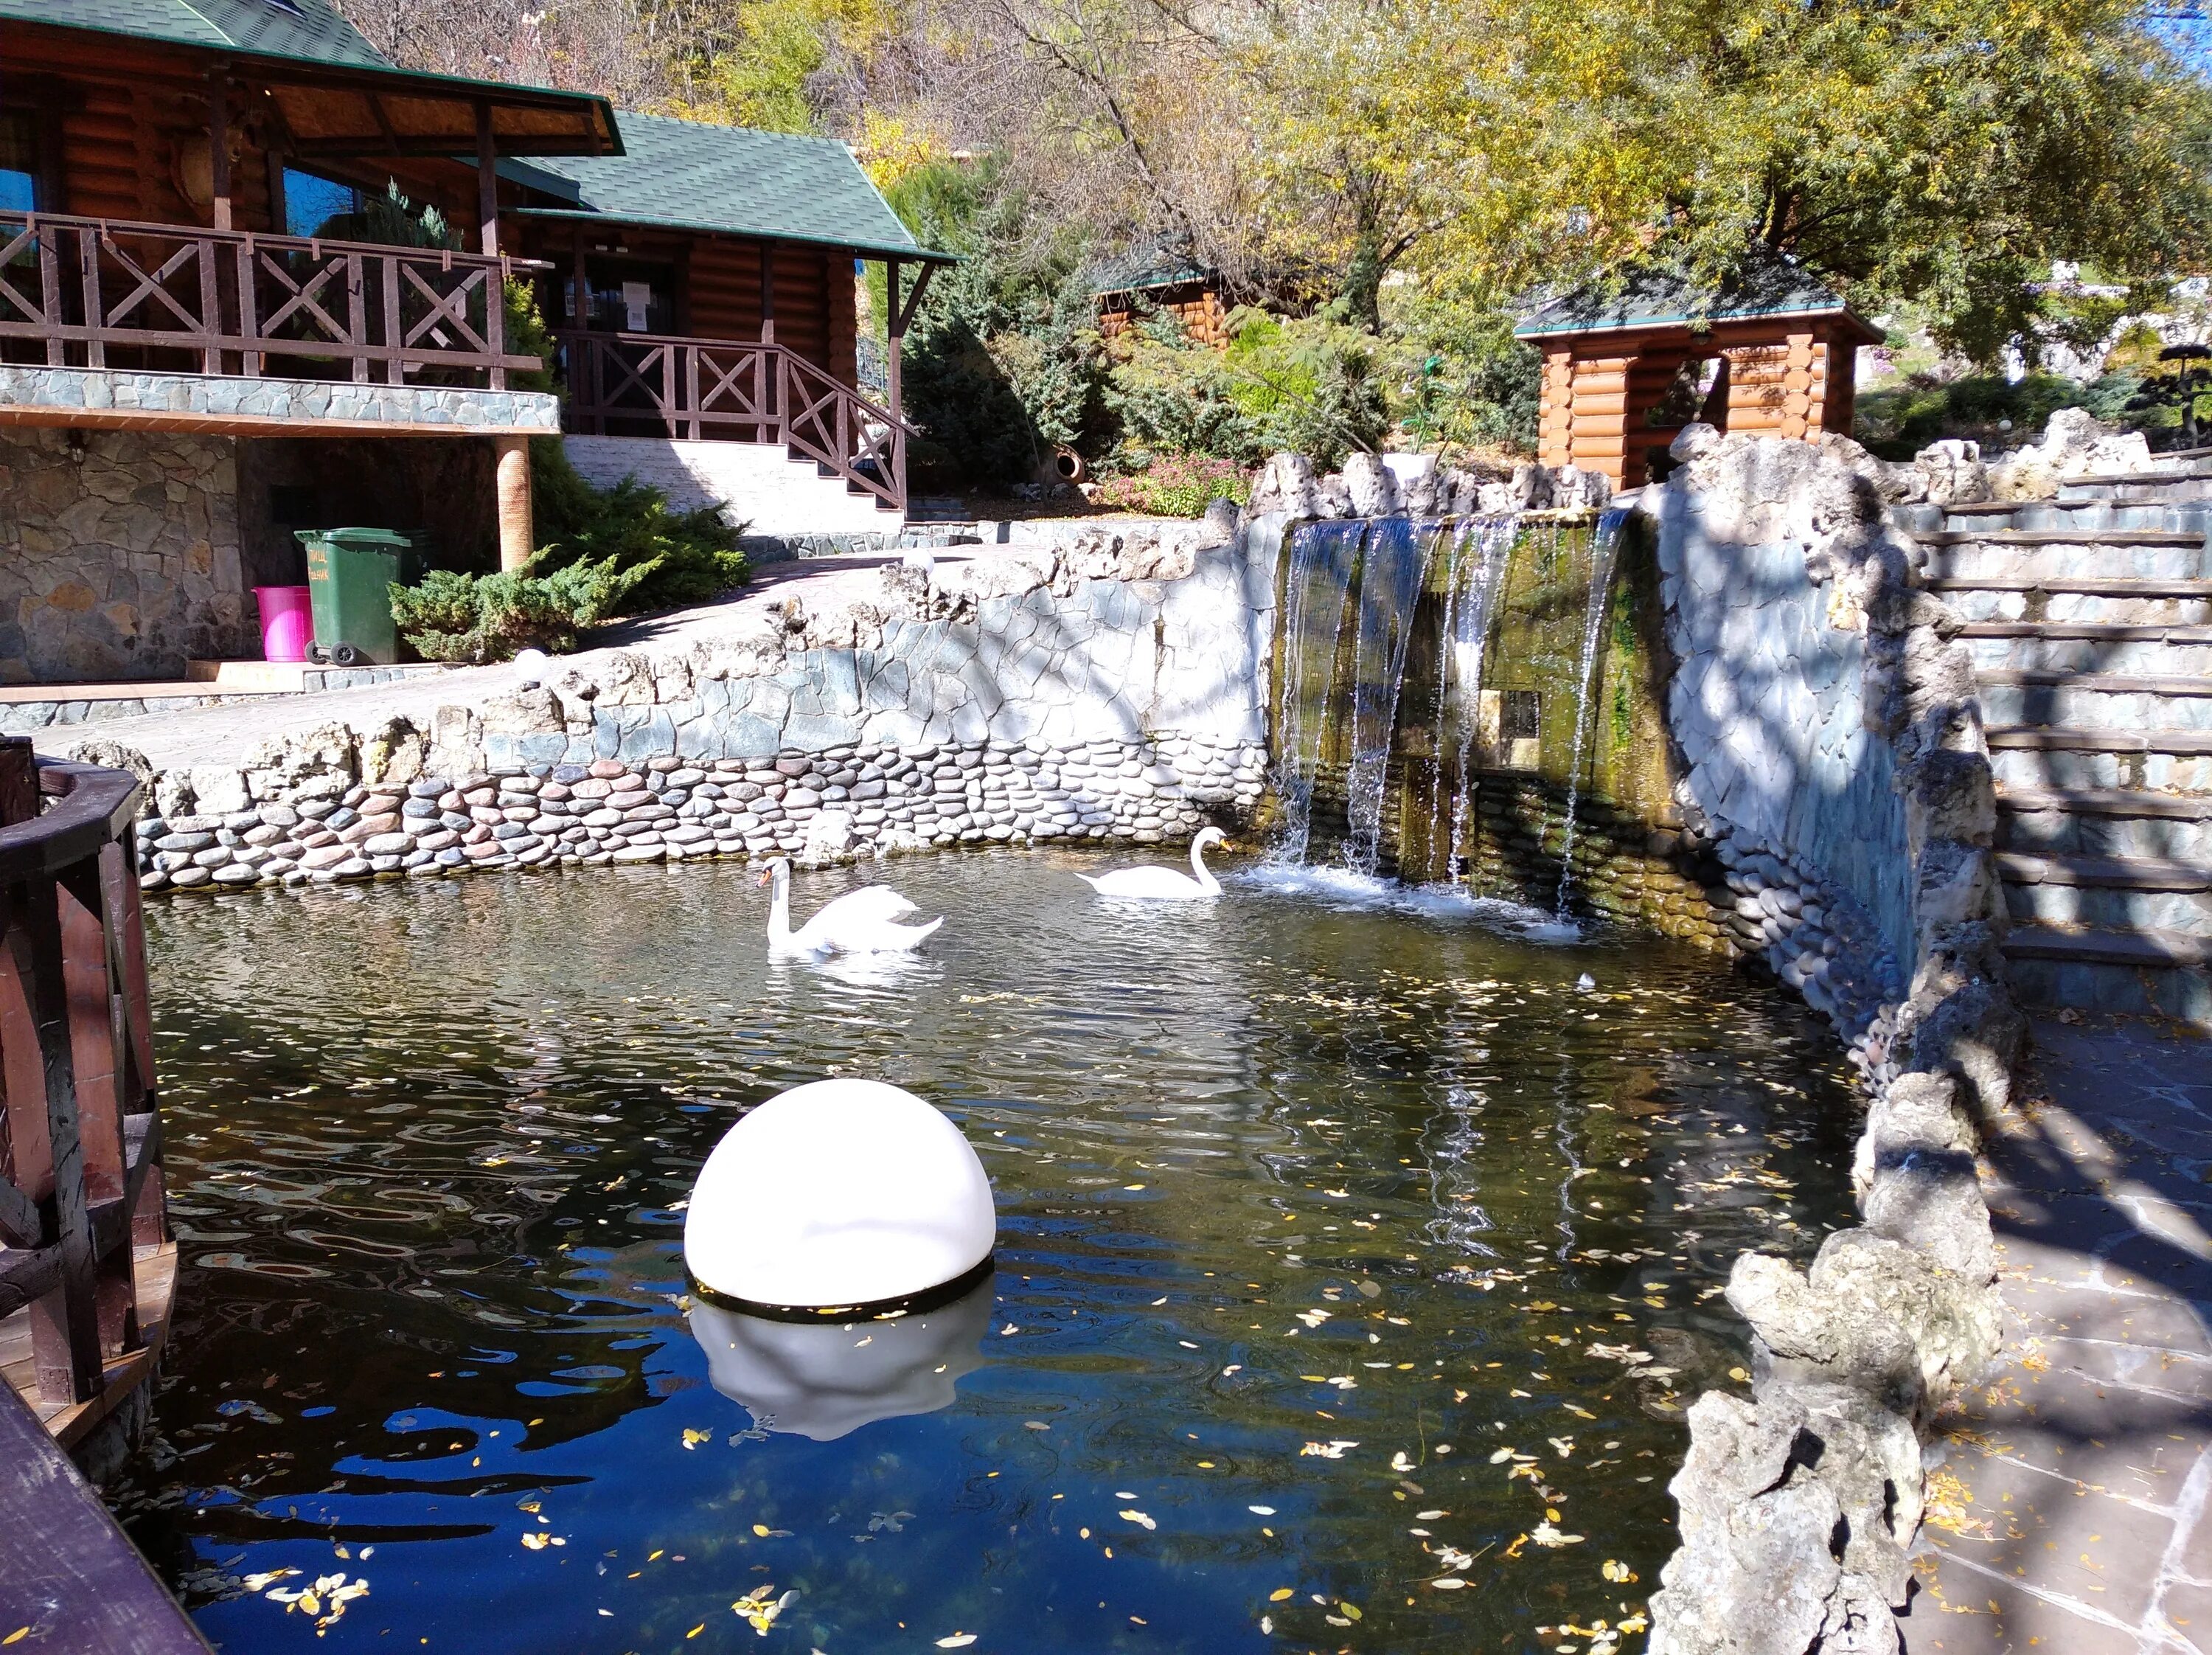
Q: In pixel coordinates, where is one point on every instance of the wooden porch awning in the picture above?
(338, 112)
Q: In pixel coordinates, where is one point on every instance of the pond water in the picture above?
(1314, 1203)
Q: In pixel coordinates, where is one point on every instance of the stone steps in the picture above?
(2050, 738)
(2096, 699)
(2178, 762)
(2109, 892)
(2080, 647)
(2087, 600)
(2044, 564)
(2135, 948)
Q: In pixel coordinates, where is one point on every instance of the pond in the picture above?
(1350, 1248)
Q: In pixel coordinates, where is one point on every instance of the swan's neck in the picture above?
(778, 907)
(1207, 882)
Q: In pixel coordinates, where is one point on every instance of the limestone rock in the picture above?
(1372, 486)
(1285, 484)
(1953, 472)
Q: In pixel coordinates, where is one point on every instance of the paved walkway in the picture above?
(2072, 1512)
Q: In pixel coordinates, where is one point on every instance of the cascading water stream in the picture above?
(1603, 544)
(1392, 572)
(1316, 590)
(1466, 632)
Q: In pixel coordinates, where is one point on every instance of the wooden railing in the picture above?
(640, 384)
(80, 1180)
(102, 293)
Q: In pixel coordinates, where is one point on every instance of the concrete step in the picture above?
(2038, 560)
(2141, 487)
(2102, 972)
(2125, 824)
(2078, 600)
(2080, 647)
(2109, 893)
(2091, 699)
(2087, 516)
(2151, 948)
(2069, 536)
(2031, 759)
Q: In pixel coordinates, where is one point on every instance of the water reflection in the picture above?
(827, 1380)
(1273, 1173)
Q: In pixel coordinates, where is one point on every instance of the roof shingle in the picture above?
(690, 175)
(305, 31)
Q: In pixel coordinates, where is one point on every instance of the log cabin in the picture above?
(1627, 365)
(254, 278)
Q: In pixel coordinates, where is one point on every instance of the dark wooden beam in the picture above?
(487, 181)
(767, 292)
(893, 336)
(66, 1555)
(901, 320)
(218, 99)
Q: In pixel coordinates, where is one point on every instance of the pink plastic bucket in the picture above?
(288, 621)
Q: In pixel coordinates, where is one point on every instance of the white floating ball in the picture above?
(531, 666)
(839, 1192)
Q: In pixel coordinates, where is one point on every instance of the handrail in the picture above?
(734, 391)
(80, 1155)
(230, 299)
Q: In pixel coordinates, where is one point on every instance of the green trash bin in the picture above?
(351, 572)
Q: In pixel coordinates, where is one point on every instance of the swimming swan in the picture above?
(859, 923)
(1163, 883)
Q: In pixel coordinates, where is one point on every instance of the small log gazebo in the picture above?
(1627, 365)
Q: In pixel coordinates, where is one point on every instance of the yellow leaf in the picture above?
(16, 1636)
(1274, 1597)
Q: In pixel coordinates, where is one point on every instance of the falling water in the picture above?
(1395, 565)
(1316, 593)
(1483, 547)
(1603, 545)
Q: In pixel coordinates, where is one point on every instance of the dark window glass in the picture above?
(311, 202)
(19, 161)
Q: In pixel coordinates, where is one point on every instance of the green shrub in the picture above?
(1897, 422)
(486, 617)
(688, 557)
(1175, 485)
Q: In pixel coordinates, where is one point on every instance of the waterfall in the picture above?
(1603, 545)
(1316, 590)
(1392, 573)
(1466, 633)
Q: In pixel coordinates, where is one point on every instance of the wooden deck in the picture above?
(154, 1272)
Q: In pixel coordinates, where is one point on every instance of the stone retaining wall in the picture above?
(1836, 764)
(1026, 697)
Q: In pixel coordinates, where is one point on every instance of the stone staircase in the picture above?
(2090, 619)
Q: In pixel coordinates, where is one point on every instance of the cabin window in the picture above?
(19, 161)
(312, 201)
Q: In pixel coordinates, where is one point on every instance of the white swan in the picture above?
(859, 923)
(1163, 883)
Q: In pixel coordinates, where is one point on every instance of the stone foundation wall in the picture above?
(120, 564)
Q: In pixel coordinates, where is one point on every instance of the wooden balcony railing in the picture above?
(80, 1180)
(101, 293)
(642, 384)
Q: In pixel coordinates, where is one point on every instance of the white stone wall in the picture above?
(760, 486)
(120, 564)
(110, 392)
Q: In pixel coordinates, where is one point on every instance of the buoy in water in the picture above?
(839, 1194)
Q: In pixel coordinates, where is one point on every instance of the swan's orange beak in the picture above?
(763, 878)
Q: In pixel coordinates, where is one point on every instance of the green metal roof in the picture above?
(1138, 272)
(305, 31)
(1663, 296)
(731, 180)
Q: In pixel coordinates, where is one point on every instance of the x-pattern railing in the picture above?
(724, 389)
(99, 293)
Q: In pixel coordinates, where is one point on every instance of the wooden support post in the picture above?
(219, 143)
(580, 299)
(511, 476)
(767, 292)
(894, 337)
(487, 181)
(90, 1016)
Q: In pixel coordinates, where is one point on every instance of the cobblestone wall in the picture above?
(120, 564)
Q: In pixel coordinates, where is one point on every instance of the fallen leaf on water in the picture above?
(535, 1541)
(1278, 1594)
(1448, 1583)
(1140, 1519)
(957, 1641)
(693, 1439)
(1262, 1511)
(1545, 1534)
